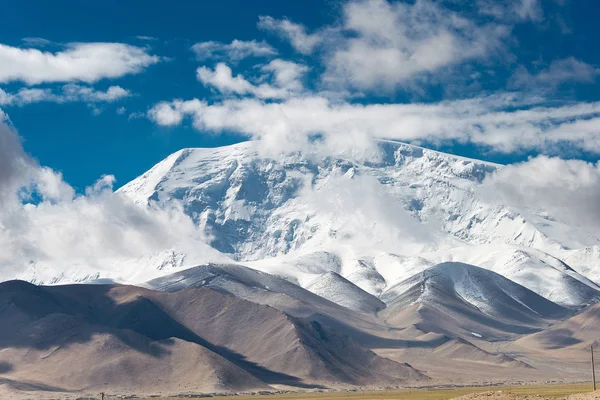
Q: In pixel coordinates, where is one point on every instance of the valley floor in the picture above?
(473, 393)
(570, 391)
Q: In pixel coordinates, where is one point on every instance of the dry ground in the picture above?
(523, 392)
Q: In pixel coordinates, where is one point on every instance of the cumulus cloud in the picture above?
(15, 165)
(223, 80)
(86, 62)
(285, 75)
(363, 215)
(387, 44)
(69, 93)
(380, 45)
(512, 10)
(47, 228)
(558, 72)
(296, 34)
(482, 121)
(234, 51)
(565, 189)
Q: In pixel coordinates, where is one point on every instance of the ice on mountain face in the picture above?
(254, 208)
(366, 276)
(338, 290)
(131, 271)
(533, 269)
(490, 293)
(395, 268)
(586, 262)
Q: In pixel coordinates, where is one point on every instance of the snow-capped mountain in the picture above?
(257, 207)
(331, 223)
(374, 223)
(406, 257)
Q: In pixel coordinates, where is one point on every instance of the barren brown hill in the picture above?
(572, 335)
(88, 336)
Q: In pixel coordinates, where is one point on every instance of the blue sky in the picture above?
(493, 80)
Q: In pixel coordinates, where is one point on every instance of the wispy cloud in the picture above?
(504, 123)
(286, 77)
(557, 73)
(234, 51)
(296, 34)
(85, 62)
(36, 41)
(67, 94)
(146, 38)
(379, 45)
(512, 10)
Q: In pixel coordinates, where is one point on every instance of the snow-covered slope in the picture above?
(263, 288)
(257, 207)
(585, 261)
(373, 222)
(460, 299)
(485, 290)
(538, 271)
(337, 289)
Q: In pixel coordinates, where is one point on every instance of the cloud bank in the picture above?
(566, 189)
(45, 227)
(482, 121)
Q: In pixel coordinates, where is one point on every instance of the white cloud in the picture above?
(286, 74)
(558, 72)
(86, 62)
(348, 127)
(512, 10)
(569, 189)
(296, 34)
(363, 214)
(36, 41)
(388, 44)
(286, 77)
(529, 9)
(146, 38)
(380, 45)
(15, 165)
(73, 92)
(223, 80)
(121, 110)
(234, 51)
(136, 115)
(69, 93)
(57, 230)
